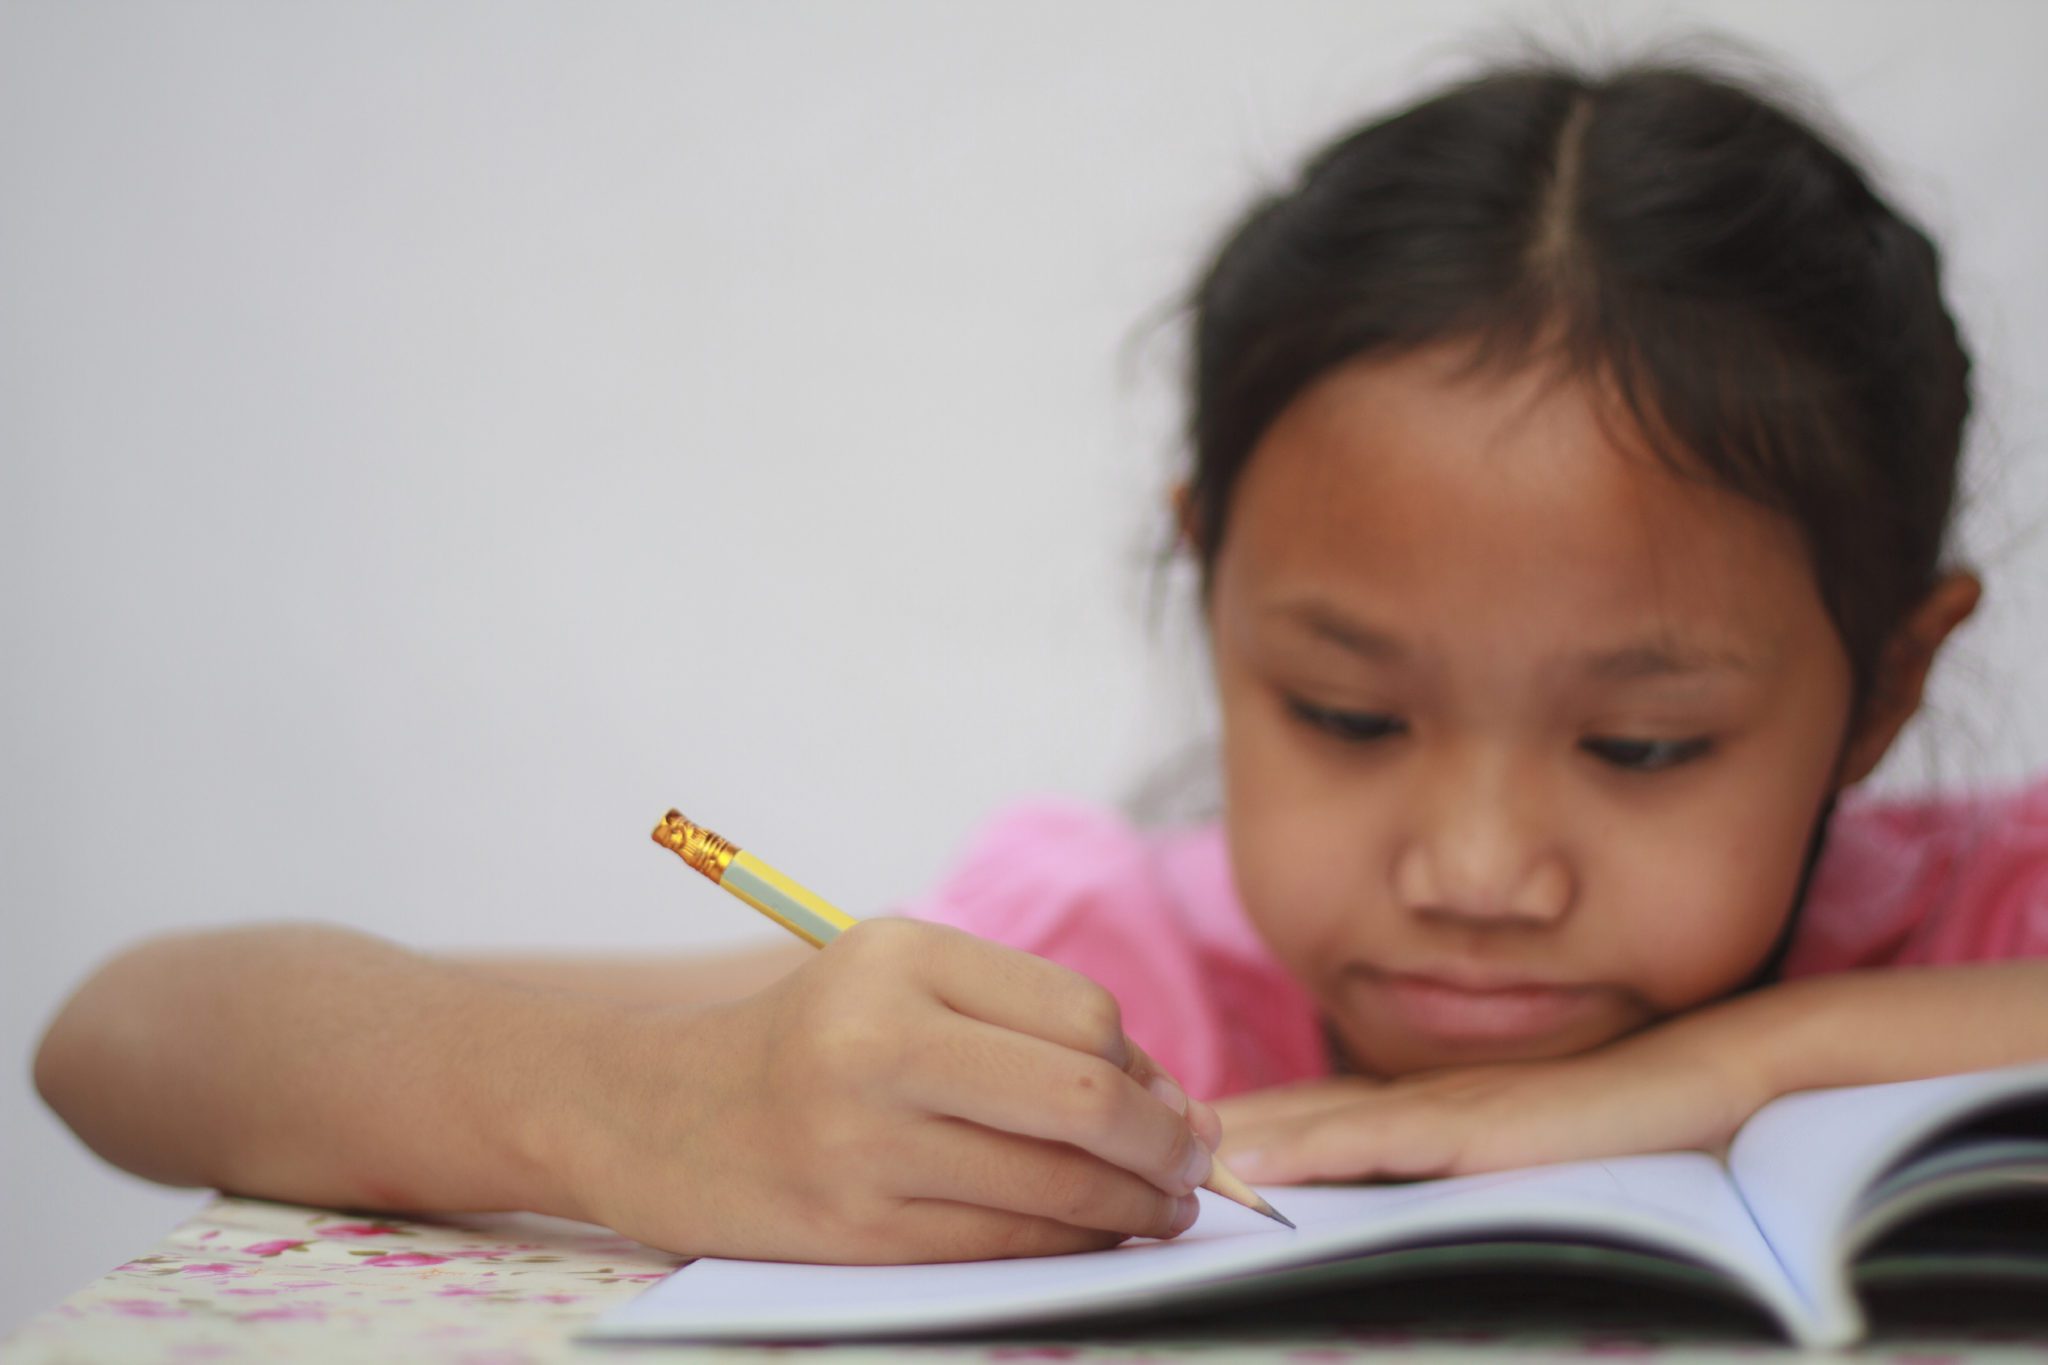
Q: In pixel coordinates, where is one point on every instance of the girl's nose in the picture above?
(1480, 852)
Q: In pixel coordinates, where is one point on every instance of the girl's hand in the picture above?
(1646, 1093)
(911, 1093)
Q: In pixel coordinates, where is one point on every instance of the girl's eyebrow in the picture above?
(1656, 657)
(1326, 623)
(1659, 659)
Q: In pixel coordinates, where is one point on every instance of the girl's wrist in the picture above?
(555, 1101)
(1741, 1046)
(1713, 1074)
(617, 1072)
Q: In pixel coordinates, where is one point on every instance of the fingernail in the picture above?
(1252, 1165)
(1169, 1092)
(1184, 1216)
(1195, 1169)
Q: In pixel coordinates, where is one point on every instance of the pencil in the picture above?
(817, 922)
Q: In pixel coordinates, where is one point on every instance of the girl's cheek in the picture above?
(1287, 890)
(1699, 890)
(1684, 951)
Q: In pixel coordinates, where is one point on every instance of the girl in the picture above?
(1572, 460)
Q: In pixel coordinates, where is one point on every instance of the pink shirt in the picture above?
(1153, 916)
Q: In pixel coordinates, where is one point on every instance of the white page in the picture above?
(1802, 1161)
(1681, 1201)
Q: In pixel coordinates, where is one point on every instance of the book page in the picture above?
(1680, 1202)
(1803, 1161)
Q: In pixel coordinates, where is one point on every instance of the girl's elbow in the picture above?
(78, 1055)
(53, 1066)
(134, 1061)
(100, 1051)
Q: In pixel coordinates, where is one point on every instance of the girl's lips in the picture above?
(1454, 1014)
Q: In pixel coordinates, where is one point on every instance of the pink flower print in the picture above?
(209, 1268)
(406, 1258)
(145, 1308)
(358, 1230)
(209, 1234)
(557, 1298)
(465, 1291)
(286, 1312)
(282, 1244)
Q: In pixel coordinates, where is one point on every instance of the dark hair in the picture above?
(1768, 321)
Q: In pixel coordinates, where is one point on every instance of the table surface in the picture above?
(244, 1280)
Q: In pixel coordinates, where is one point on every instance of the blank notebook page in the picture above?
(1683, 1197)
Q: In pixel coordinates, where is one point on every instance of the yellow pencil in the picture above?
(817, 922)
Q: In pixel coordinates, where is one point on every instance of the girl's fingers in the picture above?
(938, 1230)
(1267, 1130)
(964, 1163)
(1015, 1083)
(1201, 1117)
(1207, 1123)
(1026, 994)
(1294, 1103)
(1363, 1142)
(1023, 993)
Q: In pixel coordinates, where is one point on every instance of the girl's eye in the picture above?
(1354, 727)
(1645, 755)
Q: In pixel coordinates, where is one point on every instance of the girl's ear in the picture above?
(1902, 675)
(1184, 520)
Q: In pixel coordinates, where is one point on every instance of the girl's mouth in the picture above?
(1437, 1009)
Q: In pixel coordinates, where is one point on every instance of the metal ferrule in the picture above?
(695, 845)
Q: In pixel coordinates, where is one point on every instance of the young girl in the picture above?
(1572, 459)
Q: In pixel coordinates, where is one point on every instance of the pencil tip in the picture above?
(1275, 1214)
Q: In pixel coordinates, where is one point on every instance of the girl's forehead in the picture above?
(1414, 488)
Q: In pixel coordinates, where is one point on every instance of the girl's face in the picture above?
(1525, 737)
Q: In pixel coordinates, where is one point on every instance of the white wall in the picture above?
(435, 439)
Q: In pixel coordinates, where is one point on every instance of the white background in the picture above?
(435, 439)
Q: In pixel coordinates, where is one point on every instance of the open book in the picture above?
(1824, 1195)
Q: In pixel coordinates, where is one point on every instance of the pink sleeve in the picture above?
(1080, 886)
(1921, 882)
(1027, 874)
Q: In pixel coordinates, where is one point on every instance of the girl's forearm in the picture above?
(1878, 1025)
(320, 1066)
(690, 981)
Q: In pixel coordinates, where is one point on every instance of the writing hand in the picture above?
(912, 1093)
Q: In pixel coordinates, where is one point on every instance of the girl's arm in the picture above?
(322, 1066)
(661, 979)
(261, 1059)
(1688, 1082)
(908, 1093)
(1867, 1027)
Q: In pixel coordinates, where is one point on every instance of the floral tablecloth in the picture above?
(249, 1281)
